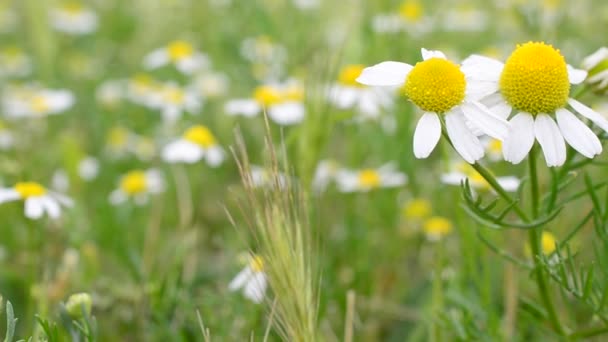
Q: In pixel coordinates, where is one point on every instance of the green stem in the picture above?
(589, 333)
(535, 244)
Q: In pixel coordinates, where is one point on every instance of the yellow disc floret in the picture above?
(369, 179)
(256, 263)
(134, 182)
(200, 135)
(29, 189)
(417, 209)
(437, 227)
(411, 11)
(179, 49)
(435, 85)
(348, 75)
(535, 79)
(267, 95)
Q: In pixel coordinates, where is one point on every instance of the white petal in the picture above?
(497, 105)
(453, 178)
(256, 287)
(343, 97)
(488, 122)
(241, 278)
(288, 113)
(427, 134)
(182, 151)
(465, 142)
(34, 208)
(156, 58)
(244, 107)
(428, 54)
(481, 68)
(577, 134)
(393, 179)
(171, 113)
(589, 113)
(214, 156)
(117, 197)
(576, 76)
(550, 139)
(347, 181)
(154, 180)
(385, 74)
(510, 183)
(51, 206)
(7, 195)
(518, 143)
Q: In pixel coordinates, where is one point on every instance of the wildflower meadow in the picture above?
(303, 170)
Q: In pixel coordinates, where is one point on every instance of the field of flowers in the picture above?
(303, 170)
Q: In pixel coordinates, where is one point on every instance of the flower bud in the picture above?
(596, 65)
(79, 304)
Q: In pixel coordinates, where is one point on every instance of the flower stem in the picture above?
(534, 236)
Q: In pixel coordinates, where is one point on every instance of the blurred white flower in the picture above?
(33, 101)
(268, 57)
(596, 65)
(142, 89)
(409, 17)
(14, 63)
(120, 142)
(324, 174)
(460, 171)
(179, 53)
(465, 18)
(210, 84)
(38, 200)
(262, 177)
(138, 185)
(60, 181)
(284, 103)
(252, 280)
(197, 142)
(387, 176)
(88, 168)
(111, 92)
(173, 100)
(73, 18)
(307, 4)
(347, 93)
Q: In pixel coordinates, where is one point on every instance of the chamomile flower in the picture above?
(596, 65)
(347, 93)
(436, 228)
(262, 177)
(284, 103)
(535, 83)
(14, 63)
(210, 84)
(324, 174)
(460, 171)
(465, 18)
(173, 100)
(38, 200)
(417, 209)
(387, 176)
(440, 88)
(252, 280)
(34, 101)
(409, 17)
(138, 185)
(548, 244)
(73, 18)
(110, 93)
(143, 89)
(267, 57)
(88, 168)
(179, 53)
(197, 143)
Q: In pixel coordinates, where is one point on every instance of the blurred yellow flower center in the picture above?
(267, 95)
(411, 11)
(73, 8)
(437, 227)
(174, 95)
(40, 104)
(134, 182)
(118, 137)
(476, 180)
(348, 75)
(200, 135)
(535, 79)
(293, 93)
(495, 146)
(179, 49)
(29, 189)
(435, 85)
(547, 243)
(256, 264)
(369, 178)
(417, 209)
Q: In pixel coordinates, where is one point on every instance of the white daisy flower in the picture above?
(284, 103)
(408, 18)
(38, 200)
(179, 53)
(73, 18)
(436, 228)
(347, 93)
(324, 174)
(88, 168)
(110, 93)
(143, 89)
(138, 185)
(535, 82)
(14, 63)
(252, 280)
(32, 101)
(210, 84)
(440, 88)
(461, 171)
(173, 100)
(197, 142)
(364, 180)
(596, 65)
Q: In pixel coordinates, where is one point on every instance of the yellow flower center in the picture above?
(547, 243)
(29, 189)
(117, 137)
(437, 227)
(495, 146)
(476, 180)
(174, 96)
(134, 182)
(267, 95)
(40, 104)
(293, 93)
(435, 85)
(200, 135)
(256, 264)
(348, 75)
(411, 11)
(179, 49)
(535, 79)
(73, 8)
(369, 178)
(417, 209)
